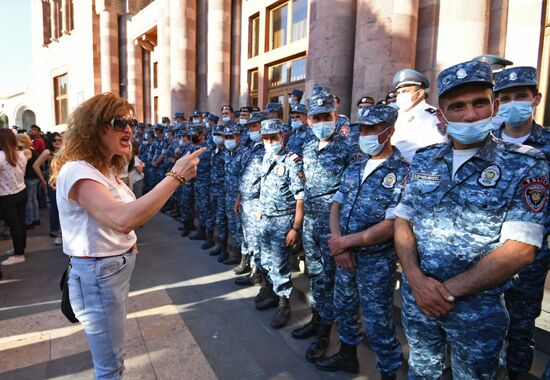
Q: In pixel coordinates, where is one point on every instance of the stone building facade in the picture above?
(168, 56)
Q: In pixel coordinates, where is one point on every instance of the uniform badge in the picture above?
(535, 193)
(489, 176)
(461, 73)
(281, 170)
(513, 76)
(389, 181)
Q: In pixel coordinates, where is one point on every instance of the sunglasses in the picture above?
(119, 124)
(56, 140)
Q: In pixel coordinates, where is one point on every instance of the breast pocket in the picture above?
(483, 212)
(425, 193)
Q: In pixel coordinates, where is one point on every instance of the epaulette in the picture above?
(405, 160)
(431, 110)
(523, 149)
(294, 157)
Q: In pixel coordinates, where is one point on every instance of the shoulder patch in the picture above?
(535, 193)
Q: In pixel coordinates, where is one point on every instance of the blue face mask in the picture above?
(516, 113)
(181, 143)
(370, 145)
(217, 140)
(226, 119)
(324, 129)
(296, 124)
(255, 136)
(470, 133)
(230, 144)
(146, 136)
(273, 148)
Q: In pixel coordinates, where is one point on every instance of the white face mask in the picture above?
(196, 121)
(404, 100)
(242, 121)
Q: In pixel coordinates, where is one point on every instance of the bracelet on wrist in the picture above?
(297, 229)
(175, 175)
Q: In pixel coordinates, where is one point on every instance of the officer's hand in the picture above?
(337, 245)
(345, 261)
(155, 165)
(432, 296)
(187, 165)
(291, 238)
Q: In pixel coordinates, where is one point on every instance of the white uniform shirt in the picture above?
(415, 129)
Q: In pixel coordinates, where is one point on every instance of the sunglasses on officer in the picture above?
(119, 124)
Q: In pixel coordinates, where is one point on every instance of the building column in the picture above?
(163, 63)
(331, 48)
(463, 33)
(385, 41)
(202, 59)
(108, 42)
(236, 21)
(135, 79)
(218, 53)
(183, 40)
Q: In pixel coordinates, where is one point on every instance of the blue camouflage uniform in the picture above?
(301, 135)
(249, 188)
(365, 202)
(323, 167)
(497, 195)
(187, 192)
(232, 173)
(217, 185)
(202, 182)
(146, 155)
(524, 298)
(282, 185)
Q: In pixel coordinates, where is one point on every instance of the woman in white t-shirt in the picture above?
(13, 193)
(98, 215)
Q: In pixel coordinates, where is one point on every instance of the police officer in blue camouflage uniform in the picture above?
(472, 215)
(361, 226)
(202, 188)
(248, 200)
(301, 132)
(244, 116)
(281, 216)
(325, 159)
(179, 145)
(217, 189)
(516, 89)
(167, 162)
(187, 192)
(209, 122)
(146, 155)
(233, 155)
(353, 135)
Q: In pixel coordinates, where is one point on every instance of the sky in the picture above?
(15, 42)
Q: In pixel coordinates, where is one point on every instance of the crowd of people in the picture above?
(457, 195)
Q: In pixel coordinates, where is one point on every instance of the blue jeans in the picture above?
(31, 211)
(98, 291)
(54, 213)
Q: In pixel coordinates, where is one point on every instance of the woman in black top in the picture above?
(32, 217)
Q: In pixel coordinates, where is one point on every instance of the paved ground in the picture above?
(187, 319)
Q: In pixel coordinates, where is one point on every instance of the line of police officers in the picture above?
(466, 217)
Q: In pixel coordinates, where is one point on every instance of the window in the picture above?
(254, 33)
(299, 20)
(253, 87)
(156, 109)
(288, 23)
(155, 74)
(287, 72)
(279, 26)
(61, 99)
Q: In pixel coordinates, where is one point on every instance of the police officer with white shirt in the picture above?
(417, 125)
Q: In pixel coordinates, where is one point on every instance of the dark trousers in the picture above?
(13, 210)
(54, 213)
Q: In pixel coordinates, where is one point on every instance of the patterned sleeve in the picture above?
(297, 176)
(526, 216)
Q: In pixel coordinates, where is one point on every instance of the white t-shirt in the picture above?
(12, 178)
(371, 166)
(461, 156)
(82, 234)
(515, 140)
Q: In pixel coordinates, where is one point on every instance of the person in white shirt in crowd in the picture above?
(417, 125)
(13, 193)
(98, 215)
